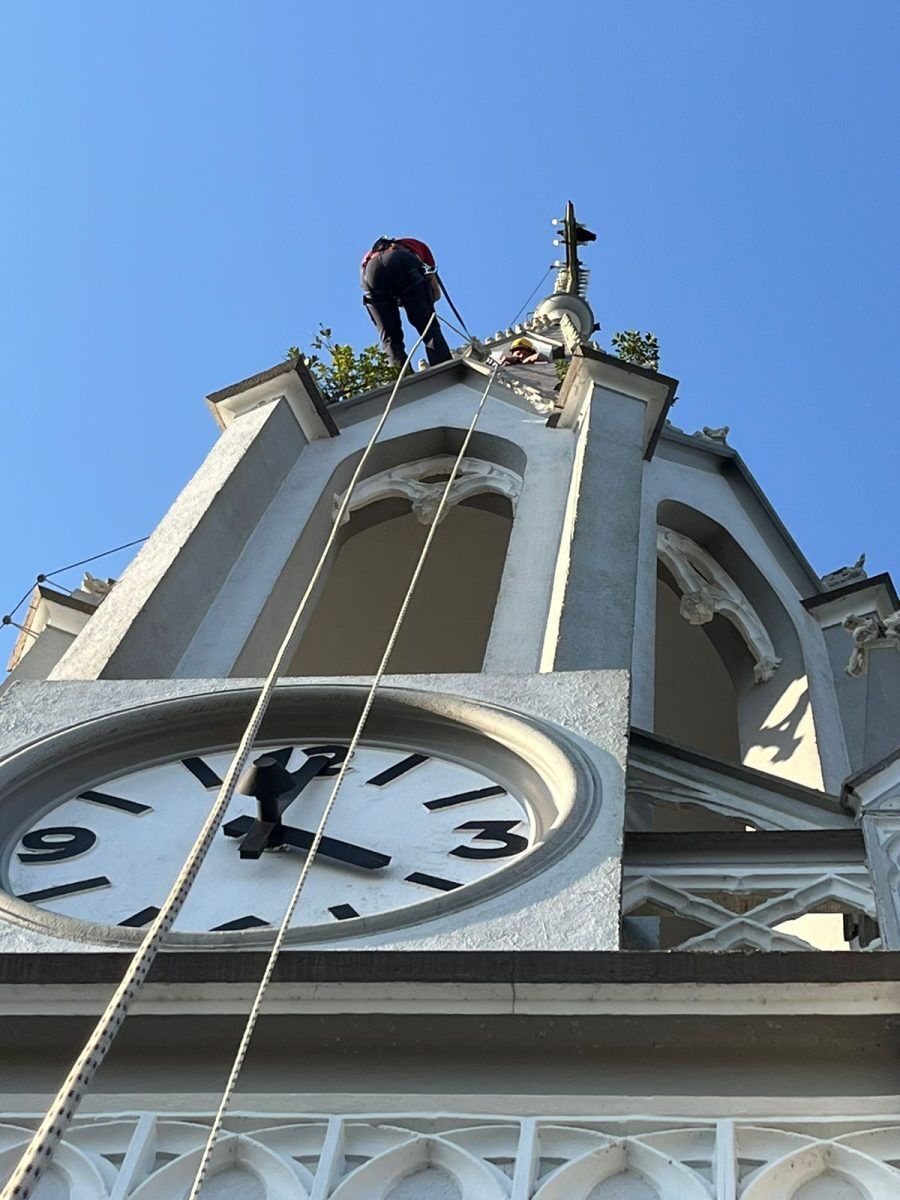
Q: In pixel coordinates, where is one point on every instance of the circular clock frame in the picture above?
(534, 760)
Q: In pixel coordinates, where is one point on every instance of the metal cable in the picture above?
(82, 561)
(455, 328)
(453, 307)
(39, 1151)
(253, 1015)
(59, 570)
(534, 292)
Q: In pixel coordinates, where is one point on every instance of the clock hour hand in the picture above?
(275, 788)
(272, 834)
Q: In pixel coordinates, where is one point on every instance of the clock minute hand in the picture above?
(260, 834)
(346, 852)
(275, 789)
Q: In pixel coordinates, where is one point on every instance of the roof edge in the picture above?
(634, 967)
(731, 458)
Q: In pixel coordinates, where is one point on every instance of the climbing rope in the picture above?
(456, 311)
(336, 787)
(38, 1154)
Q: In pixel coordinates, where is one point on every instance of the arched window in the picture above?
(731, 677)
(448, 622)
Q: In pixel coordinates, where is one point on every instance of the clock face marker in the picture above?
(56, 843)
(398, 769)
(432, 881)
(144, 917)
(203, 772)
(491, 831)
(123, 805)
(66, 889)
(343, 912)
(336, 753)
(464, 798)
(240, 923)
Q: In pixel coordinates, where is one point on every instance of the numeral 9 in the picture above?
(56, 843)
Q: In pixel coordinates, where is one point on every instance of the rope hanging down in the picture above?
(253, 1015)
(49, 1133)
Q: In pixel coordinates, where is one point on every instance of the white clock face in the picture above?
(406, 828)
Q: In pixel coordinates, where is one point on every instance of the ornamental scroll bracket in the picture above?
(422, 483)
(707, 589)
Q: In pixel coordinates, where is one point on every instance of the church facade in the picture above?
(608, 904)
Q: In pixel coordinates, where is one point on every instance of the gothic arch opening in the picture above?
(722, 595)
(352, 611)
(448, 622)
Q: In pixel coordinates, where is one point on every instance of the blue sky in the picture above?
(188, 190)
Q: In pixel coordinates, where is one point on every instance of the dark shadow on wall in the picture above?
(781, 736)
(695, 703)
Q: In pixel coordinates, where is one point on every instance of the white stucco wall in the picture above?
(524, 598)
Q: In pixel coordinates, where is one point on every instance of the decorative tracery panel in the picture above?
(441, 1157)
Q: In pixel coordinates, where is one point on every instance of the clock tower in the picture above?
(512, 715)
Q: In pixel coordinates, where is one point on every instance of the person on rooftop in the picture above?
(523, 352)
(400, 272)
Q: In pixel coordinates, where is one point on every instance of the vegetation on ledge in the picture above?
(641, 349)
(346, 372)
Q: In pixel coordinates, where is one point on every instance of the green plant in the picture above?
(642, 349)
(347, 372)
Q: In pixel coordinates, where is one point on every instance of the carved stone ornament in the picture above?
(535, 383)
(707, 589)
(719, 434)
(844, 575)
(96, 587)
(870, 632)
(413, 482)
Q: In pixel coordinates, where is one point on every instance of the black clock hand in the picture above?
(275, 788)
(283, 786)
(346, 852)
(272, 834)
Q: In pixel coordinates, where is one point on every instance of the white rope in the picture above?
(253, 1015)
(40, 1149)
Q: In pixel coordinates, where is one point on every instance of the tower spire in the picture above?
(573, 277)
(568, 305)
